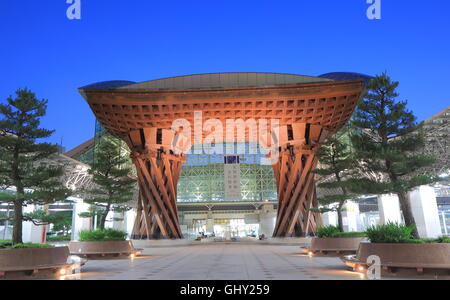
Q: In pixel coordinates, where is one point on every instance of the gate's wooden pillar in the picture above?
(295, 179)
(158, 170)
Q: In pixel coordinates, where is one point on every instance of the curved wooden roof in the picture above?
(121, 106)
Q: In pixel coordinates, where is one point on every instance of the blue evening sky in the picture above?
(140, 40)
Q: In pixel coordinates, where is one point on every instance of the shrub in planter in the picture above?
(331, 241)
(103, 244)
(102, 235)
(393, 233)
(9, 245)
(334, 232)
(327, 231)
(349, 235)
(62, 238)
(444, 240)
(5, 244)
(390, 233)
(30, 245)
(440, 240)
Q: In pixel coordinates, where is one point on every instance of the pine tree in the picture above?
(389, 145)
(336, 167)
(114, 185)
(23, 162)
(62, 221)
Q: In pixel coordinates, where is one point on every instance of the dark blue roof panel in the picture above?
(225, 80)
(108, 84)
(347, 76)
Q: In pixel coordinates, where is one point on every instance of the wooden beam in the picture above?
(285, 213)
(159, 181)
(288, 215)
(152, 195)
(306, 190)
(292, 174)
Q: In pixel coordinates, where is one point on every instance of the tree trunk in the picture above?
(104, 216)
(103, 221)
(18, 219)
(18, 202)
(341, 204)
(340, 220)
(407, 212)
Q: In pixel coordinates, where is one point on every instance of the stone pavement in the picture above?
(219, 261)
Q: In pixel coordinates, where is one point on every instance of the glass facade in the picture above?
(444, 218)
(202, 176)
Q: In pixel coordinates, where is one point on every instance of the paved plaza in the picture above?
(219, 261)
(227, 261)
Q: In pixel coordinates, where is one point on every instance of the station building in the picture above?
(237, 195)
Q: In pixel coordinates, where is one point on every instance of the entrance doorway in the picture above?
(224, 228)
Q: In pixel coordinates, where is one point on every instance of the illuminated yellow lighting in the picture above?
(361, 269)
(310, 253)
(62, 272)
(132, 256)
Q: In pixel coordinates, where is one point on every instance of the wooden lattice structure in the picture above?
(141, 114)
(295, 181)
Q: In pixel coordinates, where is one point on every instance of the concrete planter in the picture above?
(336, 244)
(287, 241)
(426, 256)
(102, 249)
(33, 259)
(333, 246)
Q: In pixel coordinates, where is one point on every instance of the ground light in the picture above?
(360, 269)
(63, 272)
(75, 264)
(68, 271)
